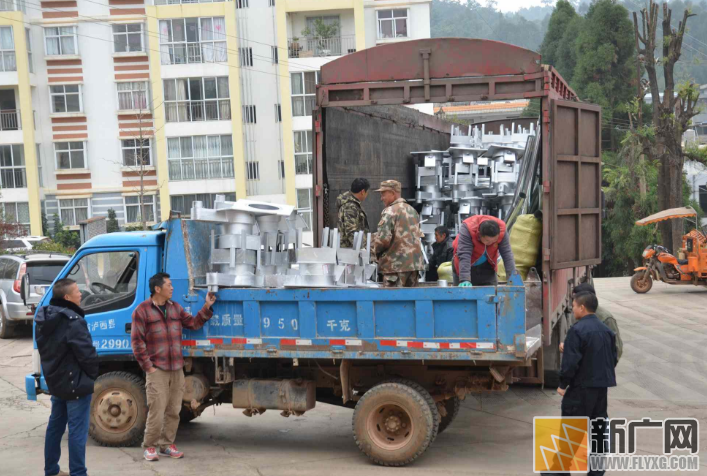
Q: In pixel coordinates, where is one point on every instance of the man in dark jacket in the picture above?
(588, 364)
(442, 252)
(70, 367)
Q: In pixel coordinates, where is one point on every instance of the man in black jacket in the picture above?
(442, 252)
(588, 363)
(70, 367)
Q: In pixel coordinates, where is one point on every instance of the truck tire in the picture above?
(7, 330)
(395, 422)
(641, 283)
(118, 409)
(452, 406)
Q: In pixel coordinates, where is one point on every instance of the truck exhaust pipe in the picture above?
(292, 396)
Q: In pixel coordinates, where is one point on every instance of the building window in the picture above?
(132, 96)
(303, 152)
(73, 211)
(132, 208)
(66, 98)
(193, 40)
(39, 167)
(200, 157)
(61, 41)
(393, 23)
(7, 50)
(16, 212)
(253, 169)
(133, 153)
(183, 203)
(278, 113)
(281, 169)
(197, 99)
(304, 91)
(177, 2)
(241, 3)
(275, 55)
(13, 173)
(249, 116)
(70, 155)
(246, 56)
(304, 205)
(28, 39)
(128, 37)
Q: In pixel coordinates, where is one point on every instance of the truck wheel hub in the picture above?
(390, 426)
(115, 410)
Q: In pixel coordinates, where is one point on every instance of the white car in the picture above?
(22, 243)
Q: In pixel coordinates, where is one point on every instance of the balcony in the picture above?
(10, 120)
(318, 47)
(196, 111)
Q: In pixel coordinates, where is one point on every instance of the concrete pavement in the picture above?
(662, 374)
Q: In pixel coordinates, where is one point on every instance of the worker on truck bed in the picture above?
(396, 244)
(352, 218)
(442, 252)
(476, 248)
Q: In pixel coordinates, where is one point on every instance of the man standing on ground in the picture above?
(352, 218)
(604, 316)
(480, 240)
(396, 244)
(70, 367)
(442, 252)
(157, 345)
(588, 366)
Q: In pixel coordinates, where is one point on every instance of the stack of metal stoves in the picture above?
(478, 174)
(260, 245)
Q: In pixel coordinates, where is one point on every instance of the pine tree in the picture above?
(560, 19)
(112, 222)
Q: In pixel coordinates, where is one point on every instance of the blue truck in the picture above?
(402, 359)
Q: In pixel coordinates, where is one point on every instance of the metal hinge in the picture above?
(546, 186)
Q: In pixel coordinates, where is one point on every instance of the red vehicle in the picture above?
(364, 129)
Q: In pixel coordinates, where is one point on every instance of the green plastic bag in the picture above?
(445, 272)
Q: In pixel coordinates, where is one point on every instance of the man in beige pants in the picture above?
(157, 344)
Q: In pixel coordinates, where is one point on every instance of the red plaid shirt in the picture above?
(157, 343)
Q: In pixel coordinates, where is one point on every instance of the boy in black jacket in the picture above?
(70, 367)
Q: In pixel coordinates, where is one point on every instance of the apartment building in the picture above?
(107, 103)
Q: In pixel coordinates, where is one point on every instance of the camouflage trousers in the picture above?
(408, 279)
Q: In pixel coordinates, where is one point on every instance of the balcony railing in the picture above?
(192, 111)
(199, 169)
(188, 53)
(10, 120)
(312, 46)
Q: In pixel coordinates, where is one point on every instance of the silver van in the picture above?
(42, 269)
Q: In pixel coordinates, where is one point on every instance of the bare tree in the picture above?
(142, 159)
(671, 113)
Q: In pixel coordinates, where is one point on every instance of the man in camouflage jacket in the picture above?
(352, 218)
(396, 244)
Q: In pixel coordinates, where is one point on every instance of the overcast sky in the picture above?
(513, 5)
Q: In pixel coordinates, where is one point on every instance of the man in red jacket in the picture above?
(476, 248)
(157, 345)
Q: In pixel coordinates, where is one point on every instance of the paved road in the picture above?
(662, 374)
